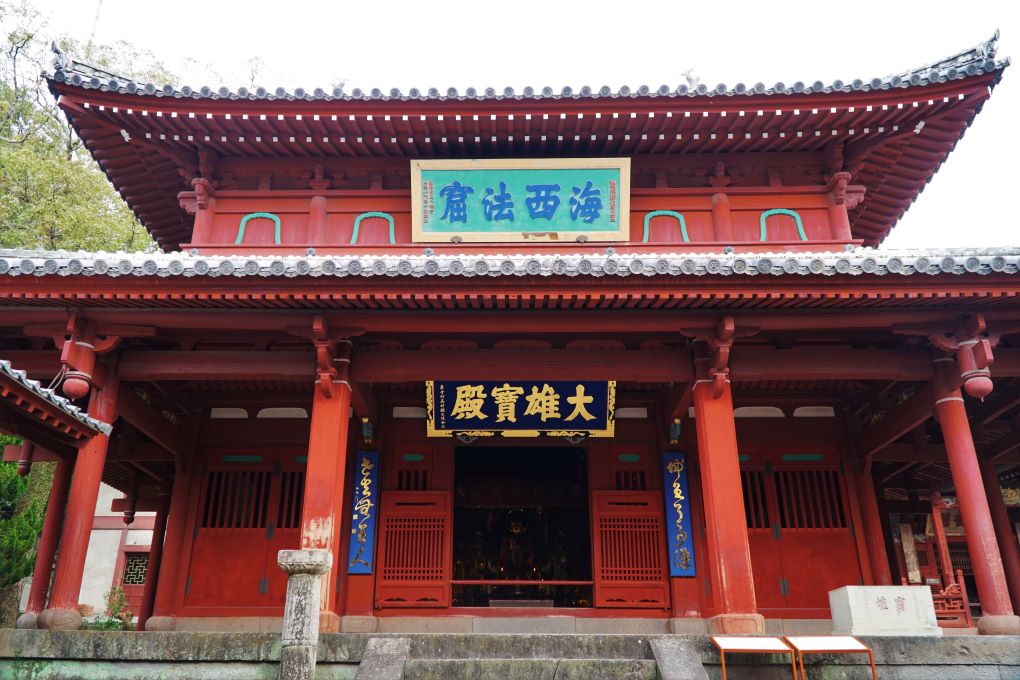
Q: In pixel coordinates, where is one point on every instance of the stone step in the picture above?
(475, 646)
(530, 669)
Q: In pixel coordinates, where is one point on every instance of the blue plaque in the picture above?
(521, 408)
(366, 490)
(678, 514)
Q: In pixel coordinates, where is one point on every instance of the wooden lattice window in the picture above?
(414, 549)
(136, 566)
(413, 469)
(960, 557)
(630, 469)
(756, 506)
(629, 549)
(631, 480)
(810, 499)
(292, 486)
(236, 499)
(414, 479)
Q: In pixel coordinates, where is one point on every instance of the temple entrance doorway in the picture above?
(521, 527)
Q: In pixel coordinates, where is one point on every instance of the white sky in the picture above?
(444, 43)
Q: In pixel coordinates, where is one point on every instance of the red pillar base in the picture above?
(27, 621)
(999, 625)
(161, 623)
(59, 619)
(736, 624)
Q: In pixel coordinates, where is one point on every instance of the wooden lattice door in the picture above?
(247, 514)
(629, 549)
(799, 531)
(415, 549)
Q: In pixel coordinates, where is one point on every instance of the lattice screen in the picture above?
(136, 566)
(810, 499)
(236, 499)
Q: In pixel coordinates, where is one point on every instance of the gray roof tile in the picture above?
(52, 397)
(970, 62)
(857, 262)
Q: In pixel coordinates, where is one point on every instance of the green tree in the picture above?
(52, 194)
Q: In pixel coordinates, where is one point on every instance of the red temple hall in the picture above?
(625, 360)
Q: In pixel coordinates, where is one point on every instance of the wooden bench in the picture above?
(751, 645)
(828, 644)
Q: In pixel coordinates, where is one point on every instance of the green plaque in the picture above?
(556, 199)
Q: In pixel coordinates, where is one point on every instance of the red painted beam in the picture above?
(911, 413)
(522, 321)
(1000, 448)
(141, 505)
(217, 365)
(151, 422)
(828, 363)
(624, 365)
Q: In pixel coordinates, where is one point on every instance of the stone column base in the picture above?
(999, 625)
(163, 623)
(736, 624)
(297, 662)
(27, 621)
(59, 619)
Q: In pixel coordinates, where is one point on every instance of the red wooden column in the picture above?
(321, 509)
(155, 560)
(1008, 545)
(161, 617)
(62, 612)
(997, 612)
(47, 544)
(729, 556)
(875, 532)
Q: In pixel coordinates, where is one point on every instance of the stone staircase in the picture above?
(530, 657)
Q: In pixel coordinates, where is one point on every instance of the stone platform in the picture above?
(40, 654)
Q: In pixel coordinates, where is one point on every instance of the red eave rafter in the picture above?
(25, 402)
(529, 293)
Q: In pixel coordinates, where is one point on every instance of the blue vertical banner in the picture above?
(361, 556)
(679, 539)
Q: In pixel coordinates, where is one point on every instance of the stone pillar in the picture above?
(173, 545)
(305, 569)
(155, 560)
(62, 612)
(47, 545)
(1004, 534)
(875, 530)
(997, 612)
(729, 555)
(321, 509)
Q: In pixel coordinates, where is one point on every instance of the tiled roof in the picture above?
(54, 398)
(970, 62)
(857, 262)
